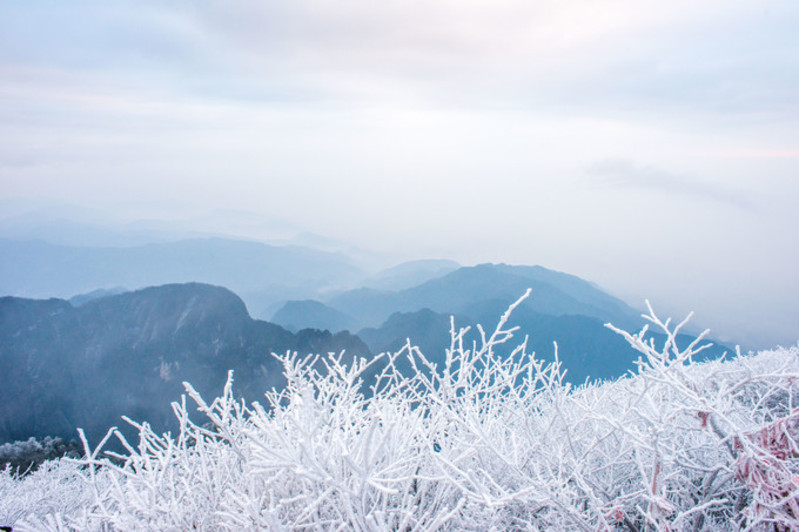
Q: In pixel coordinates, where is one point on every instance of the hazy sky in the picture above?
(649, 146)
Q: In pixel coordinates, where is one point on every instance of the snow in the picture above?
(484, 443)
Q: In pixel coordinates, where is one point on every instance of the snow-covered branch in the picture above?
(484, 442)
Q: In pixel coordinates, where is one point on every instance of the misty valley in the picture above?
(377, 395)
(68, 364)
(399, 266)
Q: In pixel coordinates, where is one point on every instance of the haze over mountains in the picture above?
(111, 352)
(107, 232)
(261, 273)
(456, 292)
(563, 309)
(131, 322)
(66, 367)
(87, 362)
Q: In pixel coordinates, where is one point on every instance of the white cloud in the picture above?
(623, 173)
(458, 125)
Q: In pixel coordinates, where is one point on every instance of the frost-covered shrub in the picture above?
(25, 456)
(486, 442)
(48, 495)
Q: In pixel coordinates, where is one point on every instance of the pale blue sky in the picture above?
(649, 146)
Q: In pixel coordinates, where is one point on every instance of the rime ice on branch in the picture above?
(487, 441)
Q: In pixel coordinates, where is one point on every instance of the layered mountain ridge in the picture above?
(66, 367)
(260, 273)
(104, 354)
(562, 309)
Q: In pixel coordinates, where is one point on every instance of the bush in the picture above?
(483, 443)
(24, 457)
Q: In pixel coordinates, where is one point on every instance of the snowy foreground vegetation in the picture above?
(487, 442)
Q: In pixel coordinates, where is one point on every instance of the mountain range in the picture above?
(554, 293)
(66, 367)
(117, 347)
(562, 308)
(261, 273)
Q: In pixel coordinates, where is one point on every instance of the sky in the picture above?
(650, 147)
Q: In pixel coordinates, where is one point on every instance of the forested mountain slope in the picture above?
(66, 367)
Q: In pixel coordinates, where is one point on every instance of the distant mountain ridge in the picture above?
(69, 364)
(66, 367)
(295, 315)
(410, 274)
(262, 274)
(562, 308)
(554, 293)
(586, 348)
(82, 299)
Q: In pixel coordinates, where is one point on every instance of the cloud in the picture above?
(625, 174)
(340, 115)
(731, 56)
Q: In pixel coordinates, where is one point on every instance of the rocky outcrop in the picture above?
(65, 367)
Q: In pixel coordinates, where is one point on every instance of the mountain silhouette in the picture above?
(66, 367)
(410, 274)
(586, 348)
(295, 315)
(553, 293)
(262, 274)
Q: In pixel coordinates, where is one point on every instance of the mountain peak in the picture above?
(127, 354)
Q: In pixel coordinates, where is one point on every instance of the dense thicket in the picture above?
(481, 443)
(24, 457)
